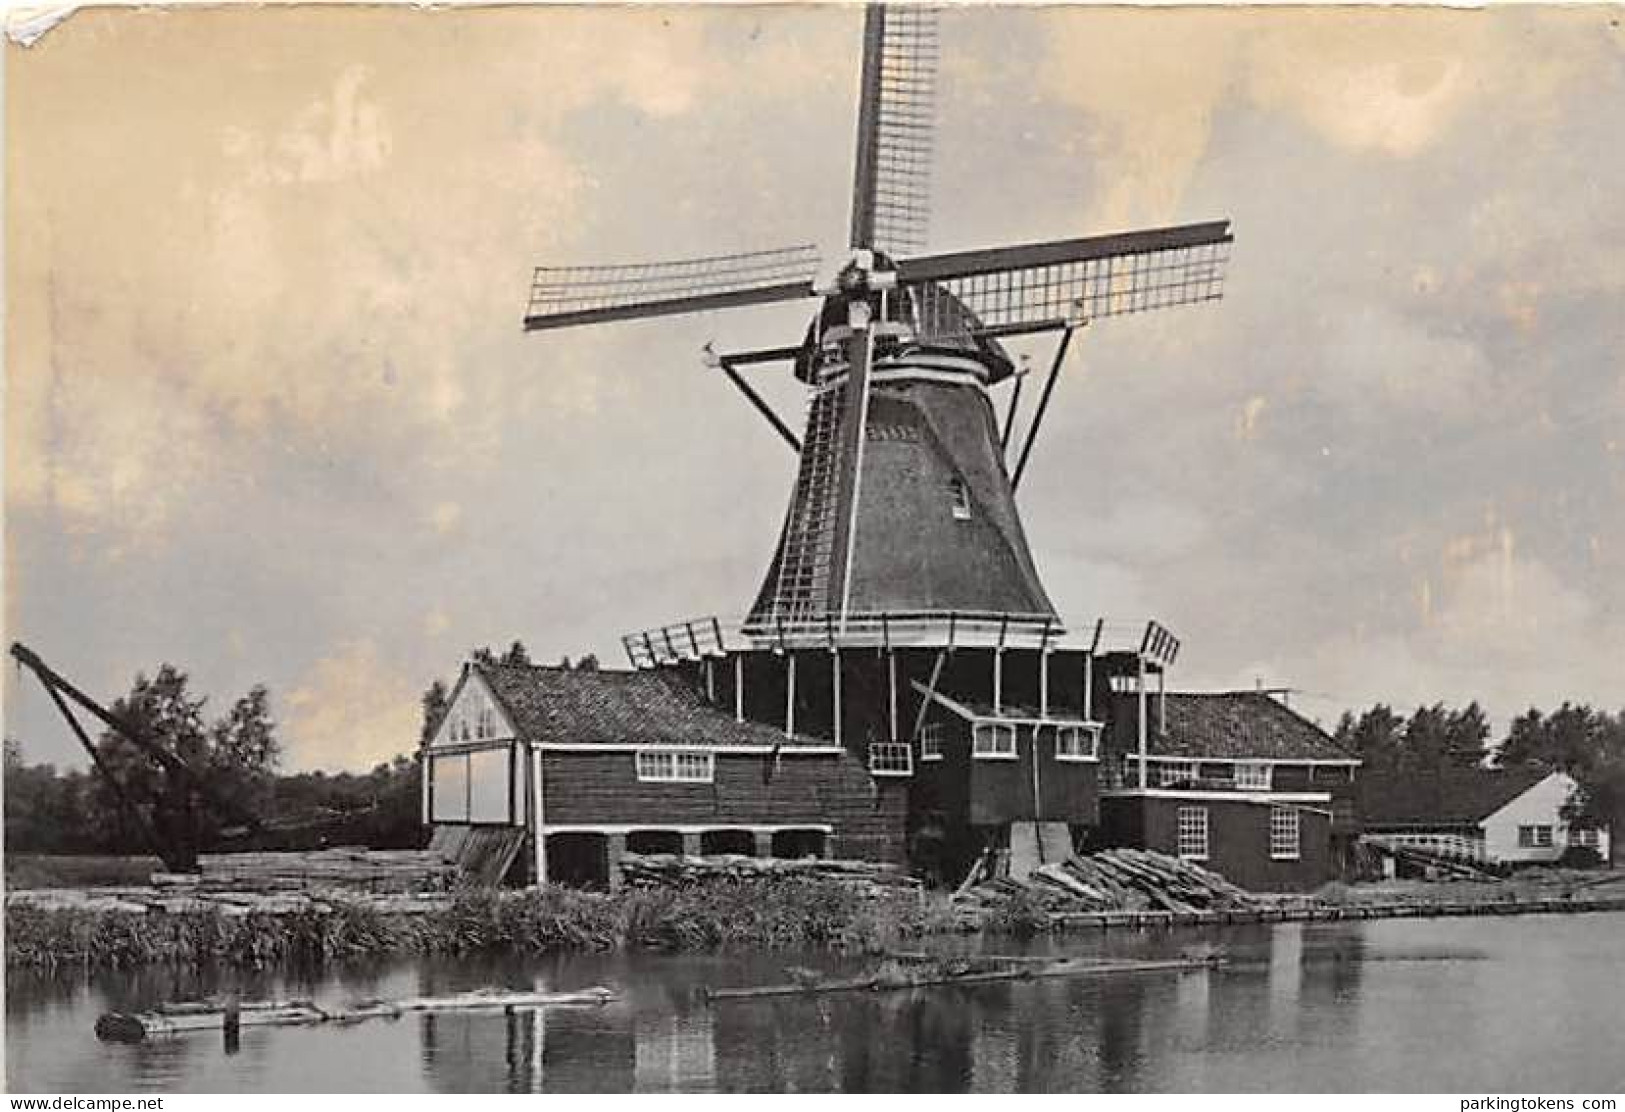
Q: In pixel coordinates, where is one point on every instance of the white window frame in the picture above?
(1172, 772)
(1087, 752)
(1253, 775)
(891, 758)
(1286, 834)
(1585, 836)
(959, 496)
(1535, 836)
(986, 743)
(931, 741)
(675, 766)
(1191, 833)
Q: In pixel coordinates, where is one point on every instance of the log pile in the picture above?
(1112, 880)
(672, 868)
(227, 1015)
(346, 868)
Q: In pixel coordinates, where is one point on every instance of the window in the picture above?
(675, 766)
(1534, 837)
(1253, 776)
(1193, 833)
(1583, 836)
(959, 495)
(931, 741)
(1175, 772)
(1074, 743)
(487, 723)
(891, 758)
(993, 740)
(1283, 833)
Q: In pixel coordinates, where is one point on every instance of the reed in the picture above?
(768, 913)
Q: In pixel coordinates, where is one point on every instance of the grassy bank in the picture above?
(754, 913)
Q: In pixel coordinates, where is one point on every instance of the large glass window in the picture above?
(1193, 833)
(1074, 743)
(1284, 844)
(993, 739)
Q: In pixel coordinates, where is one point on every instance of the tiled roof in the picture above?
(1241, 725)
(604, 707)
(1445, 797)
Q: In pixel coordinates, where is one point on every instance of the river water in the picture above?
(1525, 1004)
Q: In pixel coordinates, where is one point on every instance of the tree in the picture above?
(165, 714)
(1375, 736)
(516, 654)
(436, 702)
(244, 753)
(1427, 739)
(232, 764)
(1466, 731)
(588, 663)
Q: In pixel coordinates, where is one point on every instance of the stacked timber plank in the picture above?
(174, 899)
(1111, 880)
(672, 868)
(348, 868)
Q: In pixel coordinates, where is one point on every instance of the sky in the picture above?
(270, 414)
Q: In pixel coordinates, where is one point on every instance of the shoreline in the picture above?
(765, 915)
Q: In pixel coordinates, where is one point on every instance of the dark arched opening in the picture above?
(728, 841)
(798, 843)
(654, 841)
(578, 860)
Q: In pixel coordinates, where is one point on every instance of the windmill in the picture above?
(900, 362)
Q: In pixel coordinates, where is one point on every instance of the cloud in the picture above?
(1389, 84)
(352, 709)
(1377, 360)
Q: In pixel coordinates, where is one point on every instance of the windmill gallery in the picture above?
(901, 688)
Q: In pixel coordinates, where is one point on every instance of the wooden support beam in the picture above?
(931, 690)
(835, 692)
(149, 833)
(537, 817)
(891, 685)
(759, 404)
(1140, 724)
(1089, 686)
(1043, 405)
(790, 694)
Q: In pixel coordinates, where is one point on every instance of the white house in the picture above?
(1501, 816)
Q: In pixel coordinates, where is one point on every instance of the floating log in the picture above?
(209, 1015)
(1016, 970)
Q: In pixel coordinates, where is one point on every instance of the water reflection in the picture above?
(1330, 1007)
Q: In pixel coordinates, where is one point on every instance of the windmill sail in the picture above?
(1013, 289)
(896, 115)
(561, 297)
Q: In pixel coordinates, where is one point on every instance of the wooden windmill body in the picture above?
(902, 614)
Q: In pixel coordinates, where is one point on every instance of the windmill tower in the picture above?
(902, 581)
